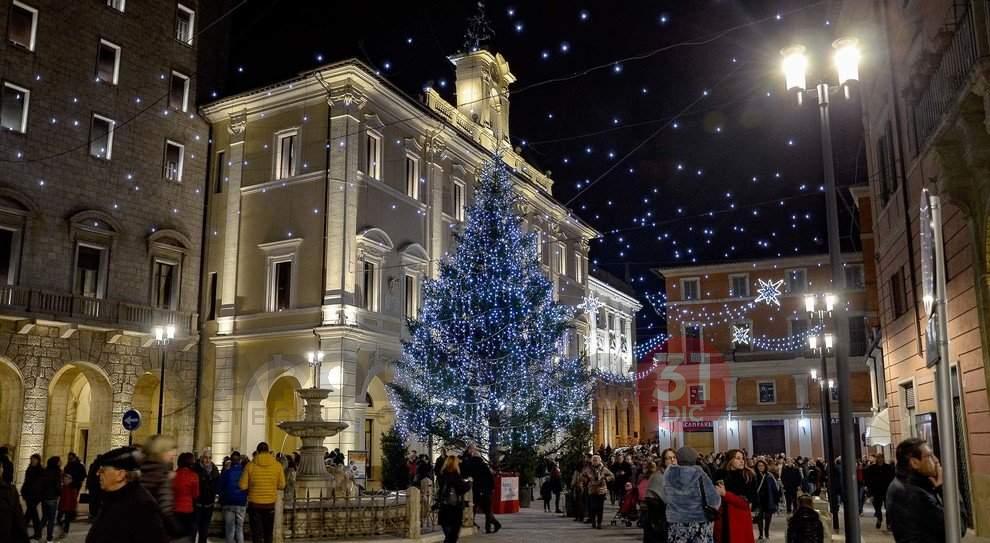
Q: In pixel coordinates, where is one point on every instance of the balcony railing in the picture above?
(951, 73)
(109, 313)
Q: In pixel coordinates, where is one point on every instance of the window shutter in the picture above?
(909, 396)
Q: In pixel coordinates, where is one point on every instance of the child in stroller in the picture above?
(628, 511)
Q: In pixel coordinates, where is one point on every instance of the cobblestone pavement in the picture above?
(533, 524)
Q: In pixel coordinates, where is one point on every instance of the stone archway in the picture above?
(282, 404)
(379, 418)
(80, 404)
(11, 406)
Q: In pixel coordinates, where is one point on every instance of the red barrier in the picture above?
(505, 497)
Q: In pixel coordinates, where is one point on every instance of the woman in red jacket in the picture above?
(734, 523)
(185, 490)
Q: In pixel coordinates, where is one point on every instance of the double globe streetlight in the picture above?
(822, 343)
(845, 57)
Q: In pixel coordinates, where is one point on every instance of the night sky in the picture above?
(663, 124)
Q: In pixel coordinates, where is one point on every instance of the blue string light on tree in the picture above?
(484, 362)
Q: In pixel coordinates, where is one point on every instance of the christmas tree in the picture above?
(484, 362)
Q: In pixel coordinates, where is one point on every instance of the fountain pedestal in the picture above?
(312, 476)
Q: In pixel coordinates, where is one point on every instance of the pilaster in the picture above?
(435, 149)
(801, 390)
(730, 392)
(223, 401)
(232, 224)
(344, 102)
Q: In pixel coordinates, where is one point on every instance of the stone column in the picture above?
(33, 426)
(342, 198)
(232, 224)
(223, 400)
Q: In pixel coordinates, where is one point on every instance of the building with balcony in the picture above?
(333, 195)
(101, 212)
(609, 350)
(735, 371)
(925, 112)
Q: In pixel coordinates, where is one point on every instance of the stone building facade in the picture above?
(101, 206)
(924, 95)
(333, 195)
(609, 348)
(753, 390)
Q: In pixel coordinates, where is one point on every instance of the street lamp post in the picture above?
(823, 343)
(163, 335)
(795, 66)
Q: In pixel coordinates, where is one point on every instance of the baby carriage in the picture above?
(628, 511)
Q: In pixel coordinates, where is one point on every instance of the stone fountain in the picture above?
(312, 476)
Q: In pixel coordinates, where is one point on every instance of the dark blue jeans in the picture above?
(49, 508)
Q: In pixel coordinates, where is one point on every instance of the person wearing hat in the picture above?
(128, 512)
(690, 497)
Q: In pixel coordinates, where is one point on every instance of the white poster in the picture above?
(358, 464)
(510, 489)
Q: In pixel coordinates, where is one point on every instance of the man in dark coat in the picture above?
(474, 466)
(76, 469)
(209, 476)
(791, 477)
(7, 466)
(93, 489)
(914, 498)
(12, 528)
(129, 514)
(878, 477)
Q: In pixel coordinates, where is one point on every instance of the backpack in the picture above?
(450, 497)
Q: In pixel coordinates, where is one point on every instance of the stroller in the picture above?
(628, 511)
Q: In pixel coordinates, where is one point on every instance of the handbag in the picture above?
(711, 513)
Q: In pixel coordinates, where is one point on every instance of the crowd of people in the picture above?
(685, 497)
(146, 494)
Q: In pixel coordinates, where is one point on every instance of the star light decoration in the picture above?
(769, 292)
(590, 305)
(740, 334)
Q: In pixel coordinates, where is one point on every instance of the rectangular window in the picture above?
(412, 177)
(458, 200)
(561, 259)
(411, 297)
(368, 285)
(854, 276)
(898, 293)
(221, 172)
(857, 336)
(101, 137)
(690, 289)
(108, 62)
(578, 273)
(185, 20)
(910, 408)
(374, 159)
(611, 322)
(22, 27)
(8, 258)
(285, 154)
(116, 4)
(797, 281)
(90, 271)
(164, 283)
(212, 302)
(886, 167)
(178, 91)
(739, 286)
(692, 343)
(172, 162)
(282, 283)
(14, 102)
(766, 392)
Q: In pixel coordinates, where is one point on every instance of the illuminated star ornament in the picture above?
(590, 305)
(740, 335)
(769, 292)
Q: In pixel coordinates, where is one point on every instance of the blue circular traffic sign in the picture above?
(131, 420)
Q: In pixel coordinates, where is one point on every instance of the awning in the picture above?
(878, 432)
